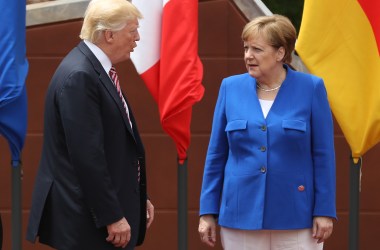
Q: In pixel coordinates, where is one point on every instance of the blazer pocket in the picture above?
(236, 132)
(236, 125)
(294, 125)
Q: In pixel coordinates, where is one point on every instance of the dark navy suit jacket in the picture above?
(87, 177)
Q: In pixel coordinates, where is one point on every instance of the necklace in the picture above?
(267, 90)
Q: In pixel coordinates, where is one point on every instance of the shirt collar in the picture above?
(100, 55)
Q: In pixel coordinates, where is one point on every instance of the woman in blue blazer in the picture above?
(269, 176)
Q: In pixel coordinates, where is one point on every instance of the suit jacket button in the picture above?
(301, 188)
(263, 169)
(263, 148)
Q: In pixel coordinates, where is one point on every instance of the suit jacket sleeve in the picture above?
(216, 159)
(322, 133)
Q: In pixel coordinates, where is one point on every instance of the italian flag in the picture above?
(167, 60)
(340, 41)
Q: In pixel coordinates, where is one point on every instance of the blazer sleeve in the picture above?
(323, 153)
(216, 158)
(79, 106)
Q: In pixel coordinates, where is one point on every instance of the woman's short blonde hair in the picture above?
(104, 15)
(277, 30)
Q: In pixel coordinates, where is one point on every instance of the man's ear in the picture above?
(281, 54)
(108, 35)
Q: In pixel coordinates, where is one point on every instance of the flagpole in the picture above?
(16, 205)
(182, 205)
(1, 233)
(353, 236)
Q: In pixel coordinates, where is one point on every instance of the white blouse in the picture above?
(265, 106)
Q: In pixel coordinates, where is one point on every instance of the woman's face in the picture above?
(261, 59)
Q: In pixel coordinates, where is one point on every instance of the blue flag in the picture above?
(13, 72)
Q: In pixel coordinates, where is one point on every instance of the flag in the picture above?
(340, 41)
(13, 71)
(168, 62)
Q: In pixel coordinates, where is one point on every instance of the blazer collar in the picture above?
(282, 95)
(107, 82)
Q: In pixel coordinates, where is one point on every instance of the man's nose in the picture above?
(137, 38)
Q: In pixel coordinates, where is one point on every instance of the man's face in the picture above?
(125, 41)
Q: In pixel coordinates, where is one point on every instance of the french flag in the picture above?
(167, 60)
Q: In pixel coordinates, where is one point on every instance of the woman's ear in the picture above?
(281, 54)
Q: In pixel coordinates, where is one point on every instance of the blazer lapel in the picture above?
(281, 102)
(108, 84)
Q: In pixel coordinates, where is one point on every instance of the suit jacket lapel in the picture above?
(281, 102)
(108, 84)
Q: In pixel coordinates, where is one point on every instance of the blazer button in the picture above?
(301, 188)
(264, 128)
(263, 170)
(263, 148)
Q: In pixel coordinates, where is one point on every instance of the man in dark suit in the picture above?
(90, 190)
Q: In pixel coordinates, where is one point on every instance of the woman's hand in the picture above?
(322, 228)
(207, 229)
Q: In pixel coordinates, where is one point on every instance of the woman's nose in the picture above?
(249, 55)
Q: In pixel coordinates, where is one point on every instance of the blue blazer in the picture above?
(273, 173)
